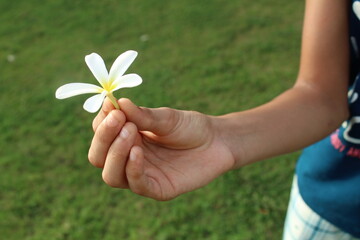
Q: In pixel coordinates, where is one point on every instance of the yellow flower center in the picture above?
(108, 86)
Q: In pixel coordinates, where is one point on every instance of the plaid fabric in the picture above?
(302, 223)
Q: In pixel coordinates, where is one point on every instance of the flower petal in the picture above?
(94, 103)
(127, 81)
(73, 89)
(121, 64)
(97, 67)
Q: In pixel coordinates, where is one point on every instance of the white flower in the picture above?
(109, 82)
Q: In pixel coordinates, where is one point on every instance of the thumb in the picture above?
(160, 121)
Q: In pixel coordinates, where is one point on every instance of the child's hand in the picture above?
(159, 153)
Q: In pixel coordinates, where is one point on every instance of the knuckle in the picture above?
(165, 120)
(169, 113)
(94, 160)
(101, 136)
(147, 120)
(112, 182)
(173, 116)
(174, 121)
(118, 153)
(106, 134)
(109, 181)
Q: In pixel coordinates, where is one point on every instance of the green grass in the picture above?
(207, 55)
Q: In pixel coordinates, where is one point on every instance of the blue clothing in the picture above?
(302, 223)
(329, 171)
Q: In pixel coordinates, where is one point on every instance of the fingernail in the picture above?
(108, 106)
(132, 156)
(124, 133)
(111, 120)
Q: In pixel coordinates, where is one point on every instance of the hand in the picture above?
(158, 153)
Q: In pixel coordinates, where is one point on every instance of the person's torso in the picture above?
(329, 171)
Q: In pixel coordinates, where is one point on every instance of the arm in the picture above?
(162, 153)
(314, 107)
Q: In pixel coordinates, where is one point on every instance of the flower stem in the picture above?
(113, 100)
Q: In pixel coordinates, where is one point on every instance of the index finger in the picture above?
(107, 107)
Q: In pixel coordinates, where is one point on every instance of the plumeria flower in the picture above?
(109, 82)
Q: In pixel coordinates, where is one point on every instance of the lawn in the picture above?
(211, 56)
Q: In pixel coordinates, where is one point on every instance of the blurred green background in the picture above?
(213, 56)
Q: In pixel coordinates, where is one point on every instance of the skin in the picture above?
(161, 153)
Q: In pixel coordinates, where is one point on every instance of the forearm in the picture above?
(309, 111)
(295, 119)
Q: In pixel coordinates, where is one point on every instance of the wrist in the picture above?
(228, 134)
